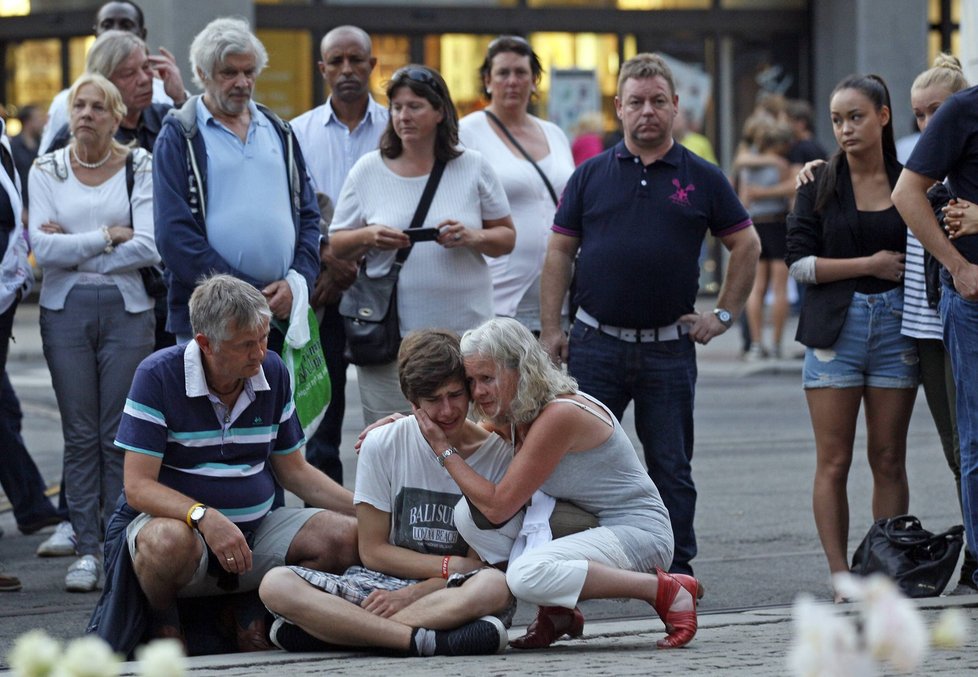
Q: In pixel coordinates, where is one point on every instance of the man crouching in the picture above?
(208, 428)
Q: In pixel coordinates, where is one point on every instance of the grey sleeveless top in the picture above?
(610, 482)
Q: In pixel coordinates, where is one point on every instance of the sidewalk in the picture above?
(753, 643)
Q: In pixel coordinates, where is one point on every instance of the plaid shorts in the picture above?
(356, 583)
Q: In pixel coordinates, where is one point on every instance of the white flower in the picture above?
(89, 656)
(825, 645)
(892, 624)
(34, 654)
(161, 658)
(952, 629)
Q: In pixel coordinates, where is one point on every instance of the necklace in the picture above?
(225, 393)
(91, 165)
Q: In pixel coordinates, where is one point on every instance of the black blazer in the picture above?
(830, 233)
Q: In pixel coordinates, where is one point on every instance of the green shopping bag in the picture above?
(311, 387)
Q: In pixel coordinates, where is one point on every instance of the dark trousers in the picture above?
(19, 476)
(661, 379)
(323, 449)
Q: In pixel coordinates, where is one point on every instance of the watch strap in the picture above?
(443, 456)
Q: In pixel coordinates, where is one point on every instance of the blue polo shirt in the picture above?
(249, 208)
(641, 229)
(949, 147)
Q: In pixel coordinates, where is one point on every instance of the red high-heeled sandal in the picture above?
(680, 625)
(551, 623)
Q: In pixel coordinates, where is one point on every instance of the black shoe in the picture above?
(290, 637)
(481, 637)
(37, 525)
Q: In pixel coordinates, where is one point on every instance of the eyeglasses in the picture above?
(419, 75)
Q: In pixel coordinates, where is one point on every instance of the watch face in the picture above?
(724, 316)
(197, 513)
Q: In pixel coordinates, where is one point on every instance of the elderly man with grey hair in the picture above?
(124, 58)
(208, 429)
(231, 194)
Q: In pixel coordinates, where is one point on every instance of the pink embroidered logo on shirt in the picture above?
(681, 196)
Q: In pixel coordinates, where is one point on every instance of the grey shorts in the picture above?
(271, 544)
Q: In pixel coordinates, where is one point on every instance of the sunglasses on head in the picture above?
(416, 74)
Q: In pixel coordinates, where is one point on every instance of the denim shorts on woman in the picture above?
(870, 350)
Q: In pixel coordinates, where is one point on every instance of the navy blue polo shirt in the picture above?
(641, 229)
(949, 147)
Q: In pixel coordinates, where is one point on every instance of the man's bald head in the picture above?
(345, 33)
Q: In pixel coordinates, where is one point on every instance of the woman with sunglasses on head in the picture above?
(444, 283)
(533, 160)
(847, 242)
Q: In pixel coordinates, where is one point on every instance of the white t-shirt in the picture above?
(437, 287)
(397, 473)
(516, 276)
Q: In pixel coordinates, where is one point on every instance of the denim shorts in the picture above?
(870, 350)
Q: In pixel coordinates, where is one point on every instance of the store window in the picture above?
(624, 4)
(764, 4)
(285, 85)
(944, 27)
(392, 52)
(459, 56)
(33, 72)
(15, 7)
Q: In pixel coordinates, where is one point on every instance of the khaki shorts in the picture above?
(271, 544)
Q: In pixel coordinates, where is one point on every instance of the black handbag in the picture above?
(369, 306)
(152, 276)
(919, 562)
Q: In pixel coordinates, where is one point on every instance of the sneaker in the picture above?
(290, 637)
(83, 574)
(59, 544)
(756, 353)
(9, 583)
(484, 636)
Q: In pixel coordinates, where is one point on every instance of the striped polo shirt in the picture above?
(213, 455)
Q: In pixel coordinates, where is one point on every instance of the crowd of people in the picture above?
(537, 295)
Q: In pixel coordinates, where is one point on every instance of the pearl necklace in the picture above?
(91, 165)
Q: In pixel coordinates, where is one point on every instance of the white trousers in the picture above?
(552, 574)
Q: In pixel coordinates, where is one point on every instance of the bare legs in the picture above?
(834, 412)
(337, 621)
(771, 272)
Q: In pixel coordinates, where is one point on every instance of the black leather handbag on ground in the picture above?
(920, 562)
(369, 306)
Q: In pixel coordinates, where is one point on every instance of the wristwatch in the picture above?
(726, 319)
(443, 456)
(196, 515)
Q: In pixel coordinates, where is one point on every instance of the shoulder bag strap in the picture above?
(512, 139)
(421, 213)
(130, 182)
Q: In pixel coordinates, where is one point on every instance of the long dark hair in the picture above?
(873, 88)
(428, 84)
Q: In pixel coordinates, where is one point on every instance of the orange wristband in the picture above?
(187, 519)
(444, 567)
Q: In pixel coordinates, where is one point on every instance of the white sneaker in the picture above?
(59, 544)
(83, 574)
